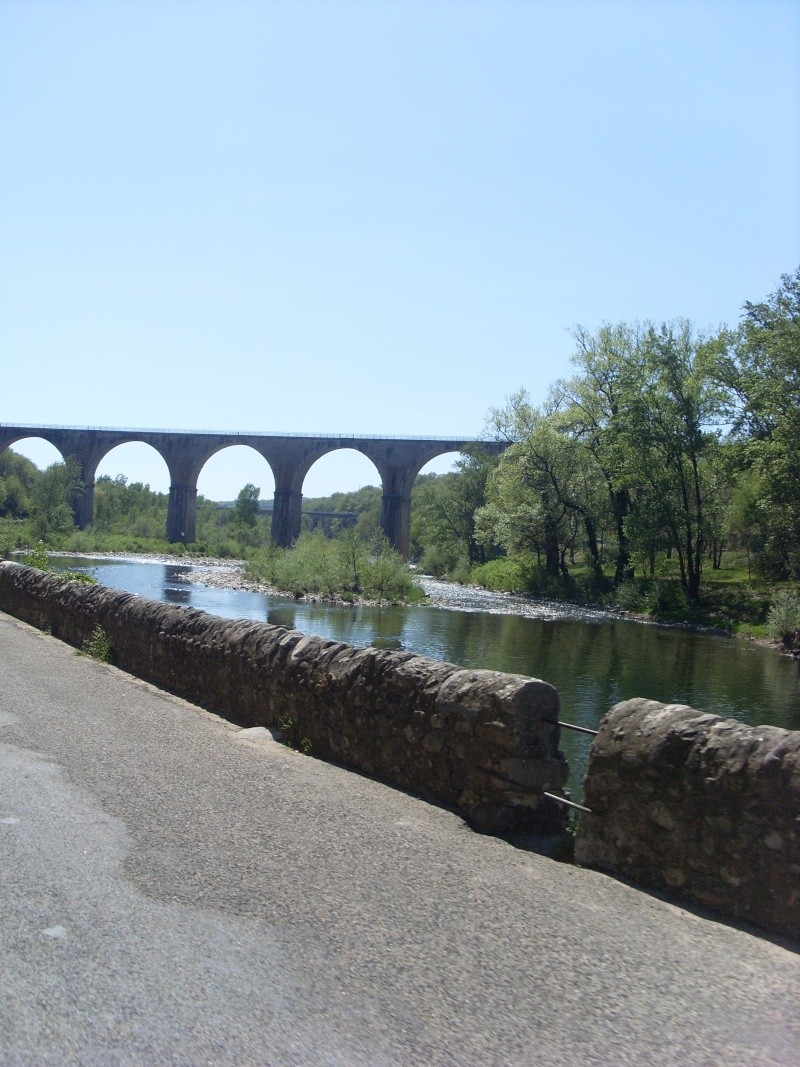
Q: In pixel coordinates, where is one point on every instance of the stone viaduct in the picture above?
(290, 457)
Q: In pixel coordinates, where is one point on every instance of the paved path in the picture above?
(174, 894)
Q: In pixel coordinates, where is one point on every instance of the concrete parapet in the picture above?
(481, 742)
(700, 806)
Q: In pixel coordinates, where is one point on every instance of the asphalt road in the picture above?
(174, 893)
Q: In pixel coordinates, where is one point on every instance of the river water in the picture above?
(594, 660)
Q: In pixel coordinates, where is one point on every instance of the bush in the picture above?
(80, 541)
(387, 577)
(98, 646)
(523, 575)
(783, 619)
(664, 597)
(461, 572)
(435, 561)
(37, 557)
(317, 565)
(629, 597)
(505, 575)
(78, 577)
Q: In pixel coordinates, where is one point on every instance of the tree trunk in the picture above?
(594, 550)
(551, 553)
(621, 507)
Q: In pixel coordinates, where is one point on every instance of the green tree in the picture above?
(55, 497)
(18, 475)
(759, 363)
(443, 513)
(123, 508)
(669, 447)
(592, 403)
(245, 510)
(545, 496)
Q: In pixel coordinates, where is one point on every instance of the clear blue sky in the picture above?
(371, 217)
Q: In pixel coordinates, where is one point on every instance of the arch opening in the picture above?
(342, 490)
(129, 497)
(228, 471)
(38, 450)
(138, 463)
(41, 490)
(439, 465)
(236, 489)
(21, 466)
(448, 493)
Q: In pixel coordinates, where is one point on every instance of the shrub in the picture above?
(78, 577)
(629, 596)
(335, 568)
(80, 541)
(505, 575)
(664, 597)
(461, 572)
(98, 646)
(783, 619)
(386, 576)
(38, 558)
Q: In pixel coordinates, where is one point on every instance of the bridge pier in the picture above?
(286, 517)
(396, 521)
(182, 513)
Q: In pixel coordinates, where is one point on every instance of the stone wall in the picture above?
(472, 740)
(701, 806)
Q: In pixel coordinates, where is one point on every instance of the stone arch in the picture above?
(135, 453)
(31, 448)
(359, 459)
(114, 463)
(249, 465)
(352, 470)
(440, 464)
(34, 449)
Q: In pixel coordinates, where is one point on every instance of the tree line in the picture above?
(666, 447)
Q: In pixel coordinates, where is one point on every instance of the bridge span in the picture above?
(290, 457)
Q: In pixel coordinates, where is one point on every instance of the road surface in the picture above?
(176, 893)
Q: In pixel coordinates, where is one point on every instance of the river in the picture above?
(593, 659)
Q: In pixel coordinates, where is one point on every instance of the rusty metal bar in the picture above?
(568, 803)
(571, 726)
(509, 781)
(532, 789)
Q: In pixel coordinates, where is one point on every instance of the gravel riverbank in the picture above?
(229, 574)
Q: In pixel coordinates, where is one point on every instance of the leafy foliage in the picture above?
(783, 620)
(122, 507)
(759, 364)
(245, 510)
(444, 530)
(37, 557)
(98, 646)
(336, 568)
(17, 478)
(55, 496)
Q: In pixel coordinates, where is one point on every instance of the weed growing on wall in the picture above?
(288, 728)
(37, 557)
(78, 577)
(98, 646)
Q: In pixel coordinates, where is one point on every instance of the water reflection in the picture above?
(177, 587)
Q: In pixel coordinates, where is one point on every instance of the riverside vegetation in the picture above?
(663, 478)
